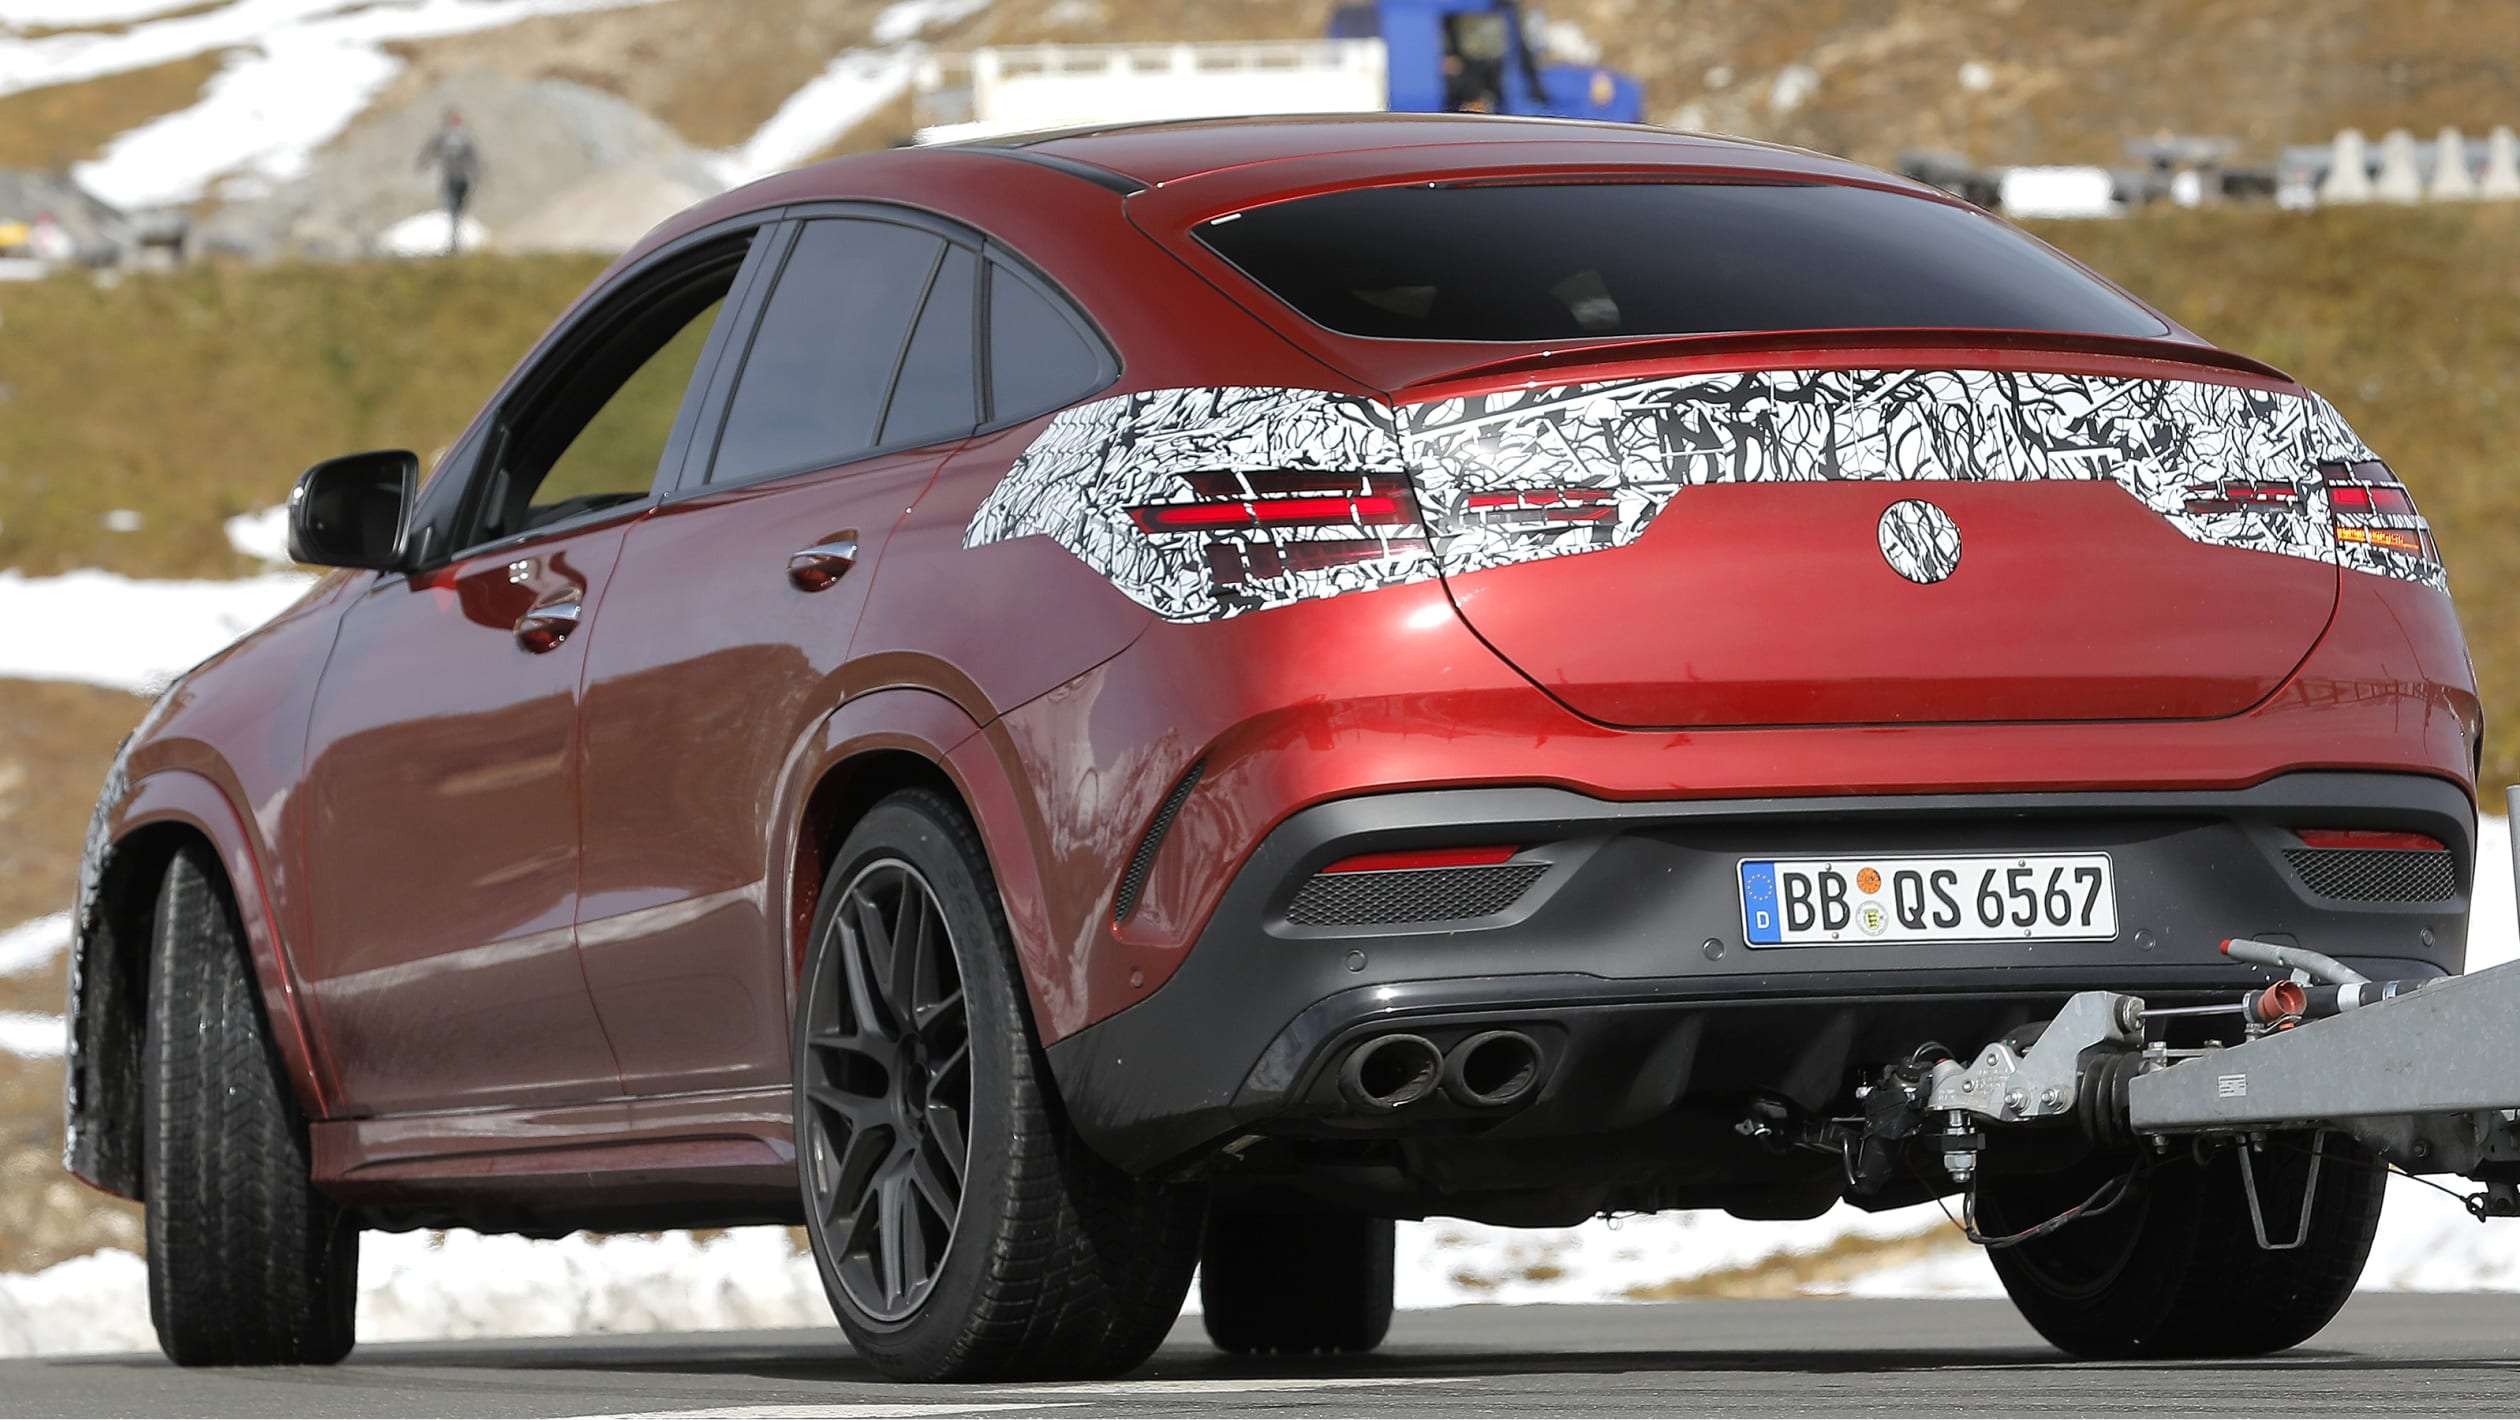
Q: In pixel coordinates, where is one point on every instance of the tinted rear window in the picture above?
(1574, 261)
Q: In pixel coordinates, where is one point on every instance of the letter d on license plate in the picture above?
(2020, 897)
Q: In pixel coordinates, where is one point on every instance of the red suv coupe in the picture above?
(1167, 696)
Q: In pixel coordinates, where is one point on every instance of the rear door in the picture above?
(728, 625)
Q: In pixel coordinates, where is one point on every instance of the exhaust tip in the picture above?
(1492, 1069)
(1390, 1071)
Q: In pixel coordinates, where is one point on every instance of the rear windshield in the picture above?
(1564, 261)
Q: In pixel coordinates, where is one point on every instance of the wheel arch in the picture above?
(111, 943)
(900, 738)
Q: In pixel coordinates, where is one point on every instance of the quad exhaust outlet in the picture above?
(1492, 1069)
(1489, 1070)
(1391, 1072)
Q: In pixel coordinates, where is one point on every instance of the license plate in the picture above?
(2021, 897)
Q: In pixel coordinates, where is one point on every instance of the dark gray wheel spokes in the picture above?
(888, 1091)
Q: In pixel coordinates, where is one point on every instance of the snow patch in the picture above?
(32, 946)
(1794, 86)
(302, 70)
(458, 1286)
(425, 234)
(32, 13)
(31, 1035)
(89, 1304)
(263, 114)
(1448, 1262)
(126, 633)
(905, 20)
(852, 86)
(263, 536)
(2493, 917)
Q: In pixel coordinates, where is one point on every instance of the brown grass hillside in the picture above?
(2062, 82)
(49, 129)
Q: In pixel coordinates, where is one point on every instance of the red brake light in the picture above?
(1362, 509)
(1408, 858)
(2366, 838)
(2375, 521)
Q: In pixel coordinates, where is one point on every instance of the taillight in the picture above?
(1261, 535)
(1554, 505)
(2376, 526)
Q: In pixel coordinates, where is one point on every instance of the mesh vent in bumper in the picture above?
(2376, 874)
(1411, 895)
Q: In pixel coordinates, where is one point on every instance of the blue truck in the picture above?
(1477, 56)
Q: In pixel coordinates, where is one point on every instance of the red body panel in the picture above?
(2074, 603)
(622, 836)
(458, 983)
(708, 668)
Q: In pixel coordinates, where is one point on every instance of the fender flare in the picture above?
(189, 798)
(931, 725)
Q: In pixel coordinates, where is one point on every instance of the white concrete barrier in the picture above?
(2451, 181)
(2502, 167)
(1020, 88)
(2399, 179)
(2348, 177)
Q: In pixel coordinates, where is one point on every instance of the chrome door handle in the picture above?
(826, 562)
(544, 627)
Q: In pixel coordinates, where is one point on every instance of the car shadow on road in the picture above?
(825, 1358)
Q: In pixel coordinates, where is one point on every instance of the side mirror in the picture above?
(354, 511)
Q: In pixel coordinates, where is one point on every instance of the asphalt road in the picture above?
(2432, 1355)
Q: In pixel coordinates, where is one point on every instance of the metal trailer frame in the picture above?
(2426, 1074)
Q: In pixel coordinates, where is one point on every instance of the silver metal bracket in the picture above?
(2043, 1081)
(2309, 1195)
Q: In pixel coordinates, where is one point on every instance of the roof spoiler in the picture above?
(1959, 341)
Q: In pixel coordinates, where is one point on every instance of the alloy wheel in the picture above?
(886, 1091)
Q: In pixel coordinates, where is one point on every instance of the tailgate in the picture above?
(1852, 546)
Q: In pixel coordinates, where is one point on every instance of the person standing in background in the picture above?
(458, 161)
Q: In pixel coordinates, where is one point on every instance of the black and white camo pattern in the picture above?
(1919, 541)
(1629, 447)
(1077, 481)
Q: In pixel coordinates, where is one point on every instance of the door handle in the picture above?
(544, 627)
(826, 562)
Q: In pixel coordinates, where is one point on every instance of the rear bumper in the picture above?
(1624, 958)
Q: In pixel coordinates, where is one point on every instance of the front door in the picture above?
(444, 758)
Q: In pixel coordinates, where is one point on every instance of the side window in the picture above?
(1038, 359)
(615, 454)
(813, 386)
(591, 436)
(937, 395)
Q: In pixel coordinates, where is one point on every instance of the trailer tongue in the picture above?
(2424, 1074)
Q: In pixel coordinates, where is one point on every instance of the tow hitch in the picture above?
(2425, 1074)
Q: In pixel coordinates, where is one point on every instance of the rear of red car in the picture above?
(1740, 623)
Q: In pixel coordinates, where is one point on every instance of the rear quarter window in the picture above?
(1039, 356)
(1565, 261)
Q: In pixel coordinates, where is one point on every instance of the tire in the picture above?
(248, 1264)
(1026, 1258)
(1295, 1282)
(2176, 1270)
